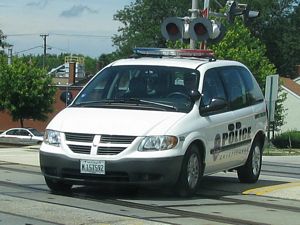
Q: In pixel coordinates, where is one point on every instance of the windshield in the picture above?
(143, 87)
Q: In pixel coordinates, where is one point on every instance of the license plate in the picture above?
(92, 166)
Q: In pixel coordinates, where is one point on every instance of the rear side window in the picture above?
(253, 91)
(12, 132)
(234, 86)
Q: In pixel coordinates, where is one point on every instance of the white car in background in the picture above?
(21, 136)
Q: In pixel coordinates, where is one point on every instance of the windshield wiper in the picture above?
(92, 103)
(156, 103)
(135, 101)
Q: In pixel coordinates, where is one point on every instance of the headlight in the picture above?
(158, 143)
(52, 137)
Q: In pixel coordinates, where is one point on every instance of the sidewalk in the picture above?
(283, 159)
(28, 155)
(290, 190)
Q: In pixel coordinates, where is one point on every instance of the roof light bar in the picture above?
(173, 52)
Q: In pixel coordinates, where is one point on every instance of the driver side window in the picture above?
(212, 87)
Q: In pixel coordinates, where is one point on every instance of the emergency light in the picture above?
(173, 52)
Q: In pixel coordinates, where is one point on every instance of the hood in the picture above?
(114, 121)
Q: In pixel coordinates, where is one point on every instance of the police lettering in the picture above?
(235, 134)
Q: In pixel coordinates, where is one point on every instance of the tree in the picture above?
(25, 91)
(278, 27)
(141, 23)
(2, 42)
(284, 44)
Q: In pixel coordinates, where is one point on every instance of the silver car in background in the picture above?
(21, 136)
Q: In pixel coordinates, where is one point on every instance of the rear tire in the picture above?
(191, 173)
(57, 185)
(250, 172)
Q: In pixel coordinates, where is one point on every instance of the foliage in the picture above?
(278, 27)
(25, 91)
(2, 42)
(141, 23)
(289, 139)
(280, 111)
(106, 59)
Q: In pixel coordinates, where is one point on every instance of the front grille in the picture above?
(79, 137)
(117, 139)
(109, 150)
(80, 149)
(109, 144)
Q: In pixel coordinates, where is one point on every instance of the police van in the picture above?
(161, 117)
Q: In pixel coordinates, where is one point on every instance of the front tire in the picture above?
(57, 185)
(191, 173)
(250, 172)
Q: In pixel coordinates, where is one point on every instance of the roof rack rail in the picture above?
(160, 52)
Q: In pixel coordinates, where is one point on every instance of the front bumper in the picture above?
(154, 171)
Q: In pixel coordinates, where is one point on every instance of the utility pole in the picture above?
(194, 11)
(9, 60)
(205, 15)
(44, 36)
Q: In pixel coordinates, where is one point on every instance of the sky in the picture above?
(74, 26)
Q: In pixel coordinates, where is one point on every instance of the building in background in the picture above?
(61, 74)
(291, 104)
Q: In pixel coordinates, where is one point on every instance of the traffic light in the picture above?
(232, 11)
(172, 28)
(235, 9)
(198, 29)
(218, 33)
(249, 14)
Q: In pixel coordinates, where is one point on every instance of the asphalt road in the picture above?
(25, 199)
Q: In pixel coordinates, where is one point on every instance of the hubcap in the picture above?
(256, 160)
(193, 171)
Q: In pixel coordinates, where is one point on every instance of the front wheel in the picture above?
(250, 172)
(191, 173)
(57, 186)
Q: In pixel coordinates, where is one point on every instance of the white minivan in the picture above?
(161, 117)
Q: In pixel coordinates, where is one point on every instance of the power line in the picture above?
(15, 35)
(81, 35)
(60, 34)
(26, 50)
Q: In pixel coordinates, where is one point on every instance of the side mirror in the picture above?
(66, 97)
(195, 95)
(216, 104)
